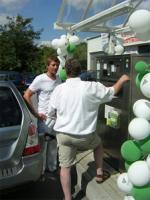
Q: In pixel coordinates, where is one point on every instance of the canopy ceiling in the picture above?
(95, 15)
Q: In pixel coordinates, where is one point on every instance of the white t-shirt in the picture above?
(77, 103)
(43, 86)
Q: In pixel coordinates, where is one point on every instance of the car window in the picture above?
(10, 112)
(4, 77)
(12, 77)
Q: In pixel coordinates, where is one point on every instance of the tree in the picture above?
(43, 53)
(18, 50)
(81, 55)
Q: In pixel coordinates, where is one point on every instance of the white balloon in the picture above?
(139, 173)
(139, 128)
(139, 21)
(55, 43)
(124, 183)
(145, 85)
(59, 69)
(61, 52)
(62, 43)
(127, 197)
(62, 60)
(119, 49)
(111, 46)
(74, 40)
(63, 36)
(141, 108)
(119, 40)
(148, 161)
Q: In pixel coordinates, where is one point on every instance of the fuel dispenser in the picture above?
(114, 116)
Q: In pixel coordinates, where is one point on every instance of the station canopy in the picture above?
(101, 16)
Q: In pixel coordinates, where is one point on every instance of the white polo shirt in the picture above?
(77, 103)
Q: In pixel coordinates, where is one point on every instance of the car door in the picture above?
(14, 123)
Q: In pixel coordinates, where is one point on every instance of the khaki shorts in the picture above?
(68, 145)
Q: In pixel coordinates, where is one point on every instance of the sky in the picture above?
(43, 12)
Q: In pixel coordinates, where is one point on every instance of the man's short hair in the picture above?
(73, 67)
(52, 58)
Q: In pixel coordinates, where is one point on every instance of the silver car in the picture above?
(21, 157)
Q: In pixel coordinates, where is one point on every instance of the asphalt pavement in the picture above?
(47, 188)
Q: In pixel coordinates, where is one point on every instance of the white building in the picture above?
(96, 45)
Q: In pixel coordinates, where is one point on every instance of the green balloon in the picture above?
(141, 67)
(131, 151)
(138, 79)
(145, 146)
(141, 193)
(71, 48)
(62, 74)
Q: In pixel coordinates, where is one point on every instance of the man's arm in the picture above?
(118, 85)
(27, 96)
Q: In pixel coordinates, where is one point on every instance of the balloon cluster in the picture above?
(136, 152)
(66, 47)
(143, 71)
(114, 46)
(139, 22)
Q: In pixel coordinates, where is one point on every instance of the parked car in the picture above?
(88, 75)
(21, 147)
(14, 77)
(28, 78)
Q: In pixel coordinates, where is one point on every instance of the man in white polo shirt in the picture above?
(76, 104)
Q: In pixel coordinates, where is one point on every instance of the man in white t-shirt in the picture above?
(76, 104)
(43, 85)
